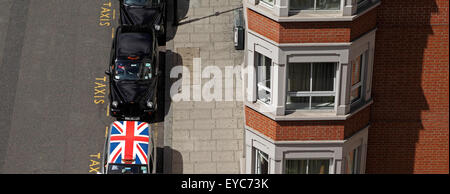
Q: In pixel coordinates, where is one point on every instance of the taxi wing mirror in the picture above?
(157, 27)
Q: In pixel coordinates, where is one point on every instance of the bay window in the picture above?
(308, 166)
(311, 86)
(314, 5)
(263, 78)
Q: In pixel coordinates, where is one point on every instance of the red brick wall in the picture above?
(306, 130)
(363, 24)
(261, 123)
(263, 25)
(409, 118)
(311, 32)
(356, 122)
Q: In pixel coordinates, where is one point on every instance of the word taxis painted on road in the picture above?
(107, 14)
(94, 164)
(100, 90)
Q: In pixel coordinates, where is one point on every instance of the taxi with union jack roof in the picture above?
(129, 149)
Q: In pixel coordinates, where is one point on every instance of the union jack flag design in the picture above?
(129, 142)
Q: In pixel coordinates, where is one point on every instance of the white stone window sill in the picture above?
(303, 115)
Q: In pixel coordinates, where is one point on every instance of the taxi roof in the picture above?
(134, 43)
(128, 142)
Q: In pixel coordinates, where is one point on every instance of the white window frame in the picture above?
(311, 93)
(294, 11)
(362, 81)
(330, 160)
(259, 85)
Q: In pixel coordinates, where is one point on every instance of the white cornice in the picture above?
(307, 17)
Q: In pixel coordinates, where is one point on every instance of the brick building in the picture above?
(346, 86)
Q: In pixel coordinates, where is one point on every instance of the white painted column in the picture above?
(278, 161)
(251, 75)
(345, 88)
(338, 161)
(281, 8)
(278, 92)
(350, 7)
(248, 153)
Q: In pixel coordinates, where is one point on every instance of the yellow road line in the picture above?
(106, 132)
(107, 110)
(112, 33)
(114, 14)
(156, 131)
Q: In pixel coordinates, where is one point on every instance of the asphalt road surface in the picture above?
(53, 90)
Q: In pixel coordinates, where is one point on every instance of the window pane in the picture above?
(322, 102)
(267, 66)
(299, 77)
(262, 162)
(353, 161)
(297, 103)
(268, 1)
(318, 166)
(357, 160)
(301, 4)
(295, 166)
(328, 4)
(362, 2)
(356, 70)
(349, 165)
(355, 95)
(264, 95)
(263, 77)
(263, 65)
(323, 77)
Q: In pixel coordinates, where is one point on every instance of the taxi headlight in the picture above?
(150, 104)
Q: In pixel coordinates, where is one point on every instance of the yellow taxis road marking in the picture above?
(94, 165)
(105, 14)
(100, 90)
